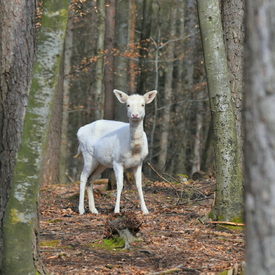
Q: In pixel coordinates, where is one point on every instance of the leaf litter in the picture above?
(171, 239)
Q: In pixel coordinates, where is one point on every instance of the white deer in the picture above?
(113, 144)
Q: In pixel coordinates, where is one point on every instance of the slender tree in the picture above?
(144, 45)
(20, 249)
(229, 195)
(17, 53)
(98, 93)
(109, 99)
(121, 60)
(259, 121)
(131, 45)
(168, 89)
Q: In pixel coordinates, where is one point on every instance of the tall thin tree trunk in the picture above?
(180, 157)
(229, 193)
(68, 51)
(121, 60)
(131, 45)
(168, 90)
(144, 45)
(98, 93)
(109, 98)
(20, 253)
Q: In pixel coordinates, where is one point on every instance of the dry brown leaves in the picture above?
(174, 241)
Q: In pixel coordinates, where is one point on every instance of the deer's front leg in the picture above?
(118, 168)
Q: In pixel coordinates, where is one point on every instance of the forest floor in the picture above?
(173, 239)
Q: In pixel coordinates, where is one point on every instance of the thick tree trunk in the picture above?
(17, 52)
(109, 99)
(20, 250)
(259, 122)
(229, 198)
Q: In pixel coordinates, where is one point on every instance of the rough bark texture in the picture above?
(232, 16)
(20, 251)
(229, 200)
(259, 123)
(17, 38)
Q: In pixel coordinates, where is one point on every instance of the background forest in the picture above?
(134, 55)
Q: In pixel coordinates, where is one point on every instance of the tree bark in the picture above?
(17, 53)
(259, 145)
(229, 195)
(98, 93)
(168, 90)
(232, 17)
(144, 45)
(121, 60)
(20, 249)
(68, 51)
(109, 99)
(131, 45)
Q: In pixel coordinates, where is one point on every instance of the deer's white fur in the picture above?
(117, 145)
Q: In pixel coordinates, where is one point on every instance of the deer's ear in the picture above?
(122, 97)
(149, 97)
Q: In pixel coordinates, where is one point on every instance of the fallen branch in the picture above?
(228, 223)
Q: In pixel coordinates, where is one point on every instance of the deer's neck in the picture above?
(136, 136)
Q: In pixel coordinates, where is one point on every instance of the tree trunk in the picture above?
(121, 60)
(144, 45)
(259, 121)
(68, 51)
(109, 99)
(98, 93)
(168, 90)
(232, 16)
(17, 52)
(131, 45)
(50, 164)
(20, 252)
(229, 201)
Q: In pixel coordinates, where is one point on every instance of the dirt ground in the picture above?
(172, 238)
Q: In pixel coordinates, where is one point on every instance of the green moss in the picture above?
(109, 244)
(54, 221)
(52, 243)
(211, 215)
(223, 272)
(238, 219)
